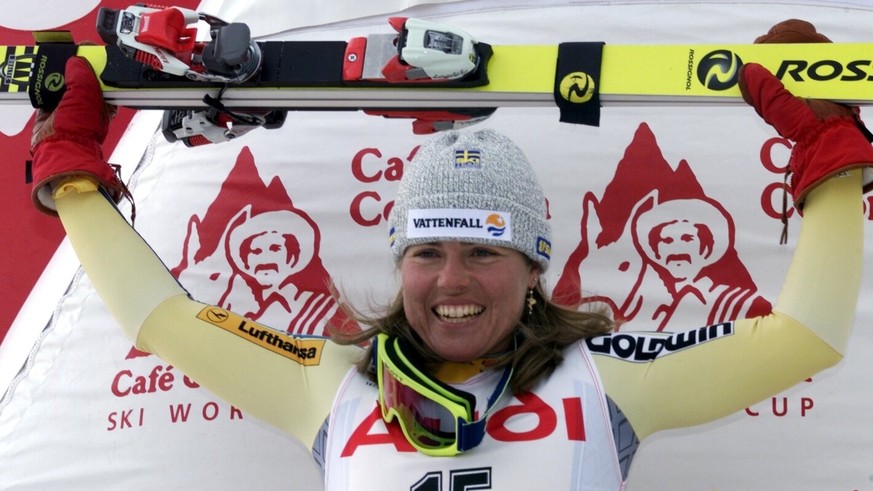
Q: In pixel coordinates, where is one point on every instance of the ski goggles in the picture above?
(436, 419)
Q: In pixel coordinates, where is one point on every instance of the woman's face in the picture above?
(464, 300)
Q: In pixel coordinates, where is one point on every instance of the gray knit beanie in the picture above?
(474, 187)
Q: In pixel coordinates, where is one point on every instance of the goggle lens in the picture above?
(426, 422)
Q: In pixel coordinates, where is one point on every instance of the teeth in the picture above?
(457, 313)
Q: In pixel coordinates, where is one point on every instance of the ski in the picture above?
(427, 71)
(518, 76)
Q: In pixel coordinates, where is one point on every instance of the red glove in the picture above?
(67, 141)
(827, 136)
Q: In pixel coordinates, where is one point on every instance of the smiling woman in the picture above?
(469, 234)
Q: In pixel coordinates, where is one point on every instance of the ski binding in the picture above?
(165, 40)
(421, 51)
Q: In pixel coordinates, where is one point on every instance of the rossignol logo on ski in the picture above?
(825, 70)
(44, 78)
(577, 87)
(577, 82)
(717, 70)
(304, 351)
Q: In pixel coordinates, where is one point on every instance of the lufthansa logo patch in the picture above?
(305, 351)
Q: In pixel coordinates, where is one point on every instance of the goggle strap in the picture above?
(471, 435)
(499, 390)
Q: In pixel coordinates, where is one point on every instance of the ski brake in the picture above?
(216, 124)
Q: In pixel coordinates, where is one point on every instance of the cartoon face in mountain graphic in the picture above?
(255, 253)
(663, 249)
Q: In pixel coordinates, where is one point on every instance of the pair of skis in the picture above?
(440, 76)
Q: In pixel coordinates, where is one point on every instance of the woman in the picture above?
(474, 362)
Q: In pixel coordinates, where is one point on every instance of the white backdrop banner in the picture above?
(88, 411)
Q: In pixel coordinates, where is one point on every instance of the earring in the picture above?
(531, 301)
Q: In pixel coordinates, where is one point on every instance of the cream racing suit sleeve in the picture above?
(291, 388)
(756, 358)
